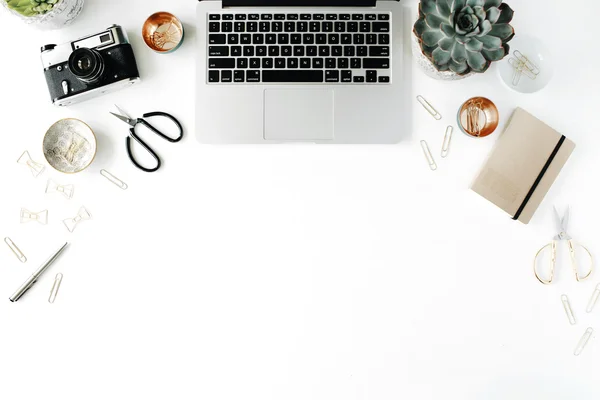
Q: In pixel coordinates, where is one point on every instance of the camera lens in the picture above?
(87, 65)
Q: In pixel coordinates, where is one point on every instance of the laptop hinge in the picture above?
(299, 3)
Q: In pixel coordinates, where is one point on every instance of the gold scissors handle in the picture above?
(574, 261)
(553, 263)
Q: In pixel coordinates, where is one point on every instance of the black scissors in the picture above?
(133, 122)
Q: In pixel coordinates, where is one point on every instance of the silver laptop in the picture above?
(321, 71)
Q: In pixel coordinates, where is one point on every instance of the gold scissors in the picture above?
(562, 224)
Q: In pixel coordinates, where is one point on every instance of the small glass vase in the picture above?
(63, 13)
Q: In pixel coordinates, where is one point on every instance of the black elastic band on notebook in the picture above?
(539, 178)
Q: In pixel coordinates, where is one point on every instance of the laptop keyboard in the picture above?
(299, 48)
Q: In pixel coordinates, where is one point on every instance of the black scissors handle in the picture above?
(146, 147)
(159, 133)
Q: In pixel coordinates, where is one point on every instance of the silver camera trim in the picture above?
(61, 53)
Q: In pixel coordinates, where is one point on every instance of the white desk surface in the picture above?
(293, 271)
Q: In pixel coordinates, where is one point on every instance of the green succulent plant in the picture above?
(464, 35)
(31, 8)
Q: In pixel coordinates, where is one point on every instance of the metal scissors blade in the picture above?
(562, 224)
(124, 117)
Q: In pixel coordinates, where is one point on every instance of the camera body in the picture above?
(89, 67)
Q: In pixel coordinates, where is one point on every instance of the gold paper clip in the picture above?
(584, 341)
(529, 65)
(568, 309)
(15, 249)
(447, 141)
(429, 108)
(35, 167)
(119, 183)
(428, 156)
(593, 299)
(54, 291)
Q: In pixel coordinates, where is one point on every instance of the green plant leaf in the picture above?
(494, 55)
(428, 6)
(480, 13)
(474, 45)
(491, 3)
(491, 42)
(503, 31)
(448, 31)
(506, 14)
(443, 7)
(492, 15)
(486, 27)
(458, 5)
(475, 3)
(431, 38)
(446, 44)
(477, 61)
(435, 21)
(459, 53)
(441, 57)
(459, 68)
(420, 27)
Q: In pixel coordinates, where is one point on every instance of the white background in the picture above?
(293, 271)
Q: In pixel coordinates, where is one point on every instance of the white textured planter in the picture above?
(62, 14)
(429, 69)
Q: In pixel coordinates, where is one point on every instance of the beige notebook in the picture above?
(523, 165)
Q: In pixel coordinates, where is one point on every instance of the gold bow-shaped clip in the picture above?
(66, 190)
(35, 167)
(82, 215)
(28, 216)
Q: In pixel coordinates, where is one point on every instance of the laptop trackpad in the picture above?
(298, 114)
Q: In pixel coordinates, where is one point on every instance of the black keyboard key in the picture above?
(277, 26)
(357, 17)
(239, 27)
(227, 76)
(248, 51)
(280, 17)
(305, 63)
(362, 51)
(371, 76)
(267, 63)
(233, 38)
(213, 76)
(293, 17)
(286, 51)
(302, 26)
(280, 63)
(264, 27)
(333, 38)
(311, 51)
(292, 63)
(255, 63)
(365, 27)
(321, 38)
(246, 39)
(336, 51)
(330, 63)
(352, 27)
(327, 26)
(227, 17)
(298, 51)
(214, 17)
(345, 17)
(332, 17)
(347, 76)
(384, 38)
(236, 51)
(274, 76)
(324, 51)
(346, 38)
(349, 51)
(253, 76)
(319, 17)
(305, 17)
(239, 76)
(252, 27)
(242, 63)
(290, 26)
(359, 38)
(308, 38)
(332, 76)
(214, 27)
(371, 17)
(273, 51)
(315, 27)
(317, 63)
(266, 17)
(221, 63)
(384, 17)
(376, 63)
(271, 38)
(227, 27)
(340, 27)
(343, 63)
(371, 38)
(283, 38)
(261, 51)
(379, 51)
(296, 38)
(254, 17)
(384, 79)
(217, 39)
(218, 51)
(359, 79)
(258, 38)
(355, 63)
(381, 26)
(240, 16)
